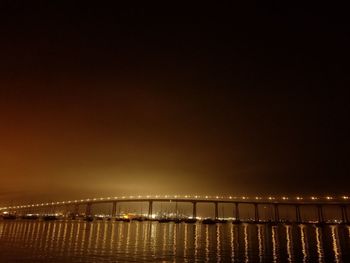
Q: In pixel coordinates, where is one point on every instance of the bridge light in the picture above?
(243, 197)
(313, 198)
(123, 197)
(216, 197)
(345, 197)
(329, 197)
(206, 197)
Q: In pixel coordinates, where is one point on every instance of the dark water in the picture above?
(100, 241)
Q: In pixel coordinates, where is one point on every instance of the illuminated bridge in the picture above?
(340, 204)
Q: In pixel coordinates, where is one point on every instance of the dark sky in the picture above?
(100, 100)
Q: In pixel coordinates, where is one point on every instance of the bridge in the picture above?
(341, 203)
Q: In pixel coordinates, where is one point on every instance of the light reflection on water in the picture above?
(103, 241)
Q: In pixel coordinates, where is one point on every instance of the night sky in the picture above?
(111, 100)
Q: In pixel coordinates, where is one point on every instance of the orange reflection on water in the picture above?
(104, 237)
(304, 248)
(207, 243)
(128, 236)
(289, 243)
(260, 243)
(196, 238)
(185, 240)
(113, 241)
(274, 244)
(174, 241)
(90, 236)
(246, 247)
(218, 243)
(335, 243)
(319, 245)
(232, 241)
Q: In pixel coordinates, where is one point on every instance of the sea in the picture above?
(35, 241)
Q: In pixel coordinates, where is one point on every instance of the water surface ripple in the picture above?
(108, 241)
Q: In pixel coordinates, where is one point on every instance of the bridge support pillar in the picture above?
(150, 209)
(114, 209)
(297, 214)
(66, 210)
(277, 214)
(344, 214)
(256, 210)
(236, 212)
(216, 210)
(76, 209)
(194, 211)
(320, 214)
(88, 209)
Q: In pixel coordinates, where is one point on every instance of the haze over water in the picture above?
(110, 241)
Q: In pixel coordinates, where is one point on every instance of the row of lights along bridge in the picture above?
(270, 198)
